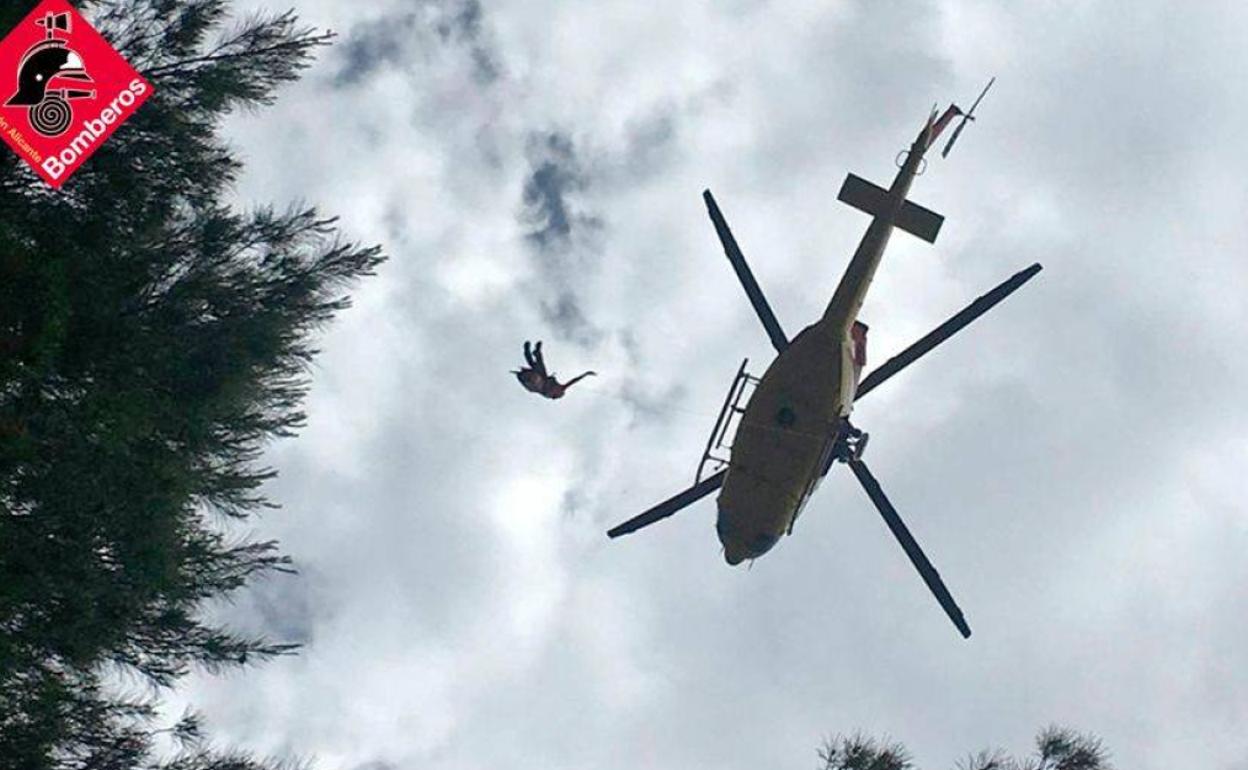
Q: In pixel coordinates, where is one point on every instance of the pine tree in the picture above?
(1057, 748)
(152, 339)
(859, 752)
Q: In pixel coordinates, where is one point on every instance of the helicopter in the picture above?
(795, 425)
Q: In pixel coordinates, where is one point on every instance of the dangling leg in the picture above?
(528, 354)
(538, 363)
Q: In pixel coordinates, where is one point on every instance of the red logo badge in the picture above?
(63, 90)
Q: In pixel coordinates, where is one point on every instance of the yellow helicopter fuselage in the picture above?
(786, 435)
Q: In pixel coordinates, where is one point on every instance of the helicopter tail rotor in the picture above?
(968, 116)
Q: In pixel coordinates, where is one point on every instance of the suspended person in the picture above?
(535, 378)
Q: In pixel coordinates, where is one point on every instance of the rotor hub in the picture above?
(850, 444)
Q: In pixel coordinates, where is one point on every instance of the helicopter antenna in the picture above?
(970, 115)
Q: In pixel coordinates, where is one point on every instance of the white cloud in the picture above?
(1070, 462)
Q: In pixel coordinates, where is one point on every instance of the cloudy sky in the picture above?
(1074, 464)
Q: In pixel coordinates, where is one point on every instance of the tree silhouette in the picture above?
(152, 340)
(1057, 748)
(859, 752)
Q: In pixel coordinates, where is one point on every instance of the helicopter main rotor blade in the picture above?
(911, 547)
(946, 330)
(670, 505)
(746, 277)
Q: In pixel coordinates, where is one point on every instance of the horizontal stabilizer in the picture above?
(913, 218)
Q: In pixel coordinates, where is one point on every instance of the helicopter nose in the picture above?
(737, 549)
(734, 548)
(761, 543)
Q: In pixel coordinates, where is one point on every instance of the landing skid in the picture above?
(850, 445)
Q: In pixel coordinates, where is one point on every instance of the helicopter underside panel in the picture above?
(783, 434)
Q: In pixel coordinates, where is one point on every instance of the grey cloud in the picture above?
(286, 607)
(564, 313)
(652, 407)
(387, 42)
(281, 607)
(556, 175)
(372, 46)
(462, 22)
(651, 143)
(563, 238)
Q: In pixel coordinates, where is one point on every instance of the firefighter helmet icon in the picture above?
(49, 60)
